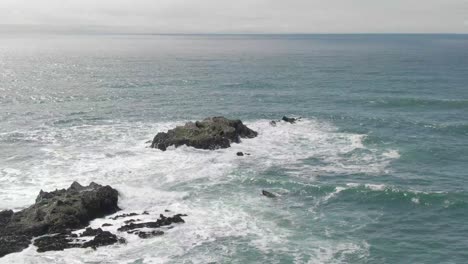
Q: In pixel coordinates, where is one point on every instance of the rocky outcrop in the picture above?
(55, 216)
(54, 212)
(211, 133)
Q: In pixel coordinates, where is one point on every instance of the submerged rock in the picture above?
(240, 153)
(291, 120)
(123, 216)
(55, 212)
(162, 221)
(64, 241)
(211, 133)
(268, 194)
(103, 238)
(144, 235)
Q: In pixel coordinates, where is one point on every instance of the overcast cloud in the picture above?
(242, 16)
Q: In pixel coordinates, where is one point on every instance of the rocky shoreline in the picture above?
(53, 221)
(54, 217)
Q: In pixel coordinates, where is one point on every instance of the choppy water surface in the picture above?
(375, 173)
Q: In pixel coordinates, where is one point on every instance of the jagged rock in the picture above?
(56, 212)
(211, 133)
(106, 224)
(240, 153)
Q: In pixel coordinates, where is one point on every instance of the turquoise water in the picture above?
(375, 173)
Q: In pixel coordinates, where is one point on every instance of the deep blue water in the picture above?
(375, 173)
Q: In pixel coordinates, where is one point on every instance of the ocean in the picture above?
(376, 171)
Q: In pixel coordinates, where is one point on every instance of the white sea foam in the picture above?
(376, 187)
(181, 180)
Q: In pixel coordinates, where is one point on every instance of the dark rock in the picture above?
(291, 120)
(91, 232)
(106, 224)
(131, 221)
(145, 213)
(211, 133)
(56, 212)
(123, 216)
(142, 234)
(54, 243)
(272, 123)
(240, 153)
(104, 238)
(5, 217)
(268, 194)
(64, 241)
(13, 243)
(162, 221)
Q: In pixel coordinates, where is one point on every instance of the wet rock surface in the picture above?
(210, 133)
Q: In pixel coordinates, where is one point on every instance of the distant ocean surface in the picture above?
(376, 171)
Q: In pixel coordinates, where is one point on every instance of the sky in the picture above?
(240, 16)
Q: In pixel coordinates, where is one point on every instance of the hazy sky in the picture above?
(242, 16)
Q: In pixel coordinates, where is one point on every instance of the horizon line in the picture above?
(128, 30)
